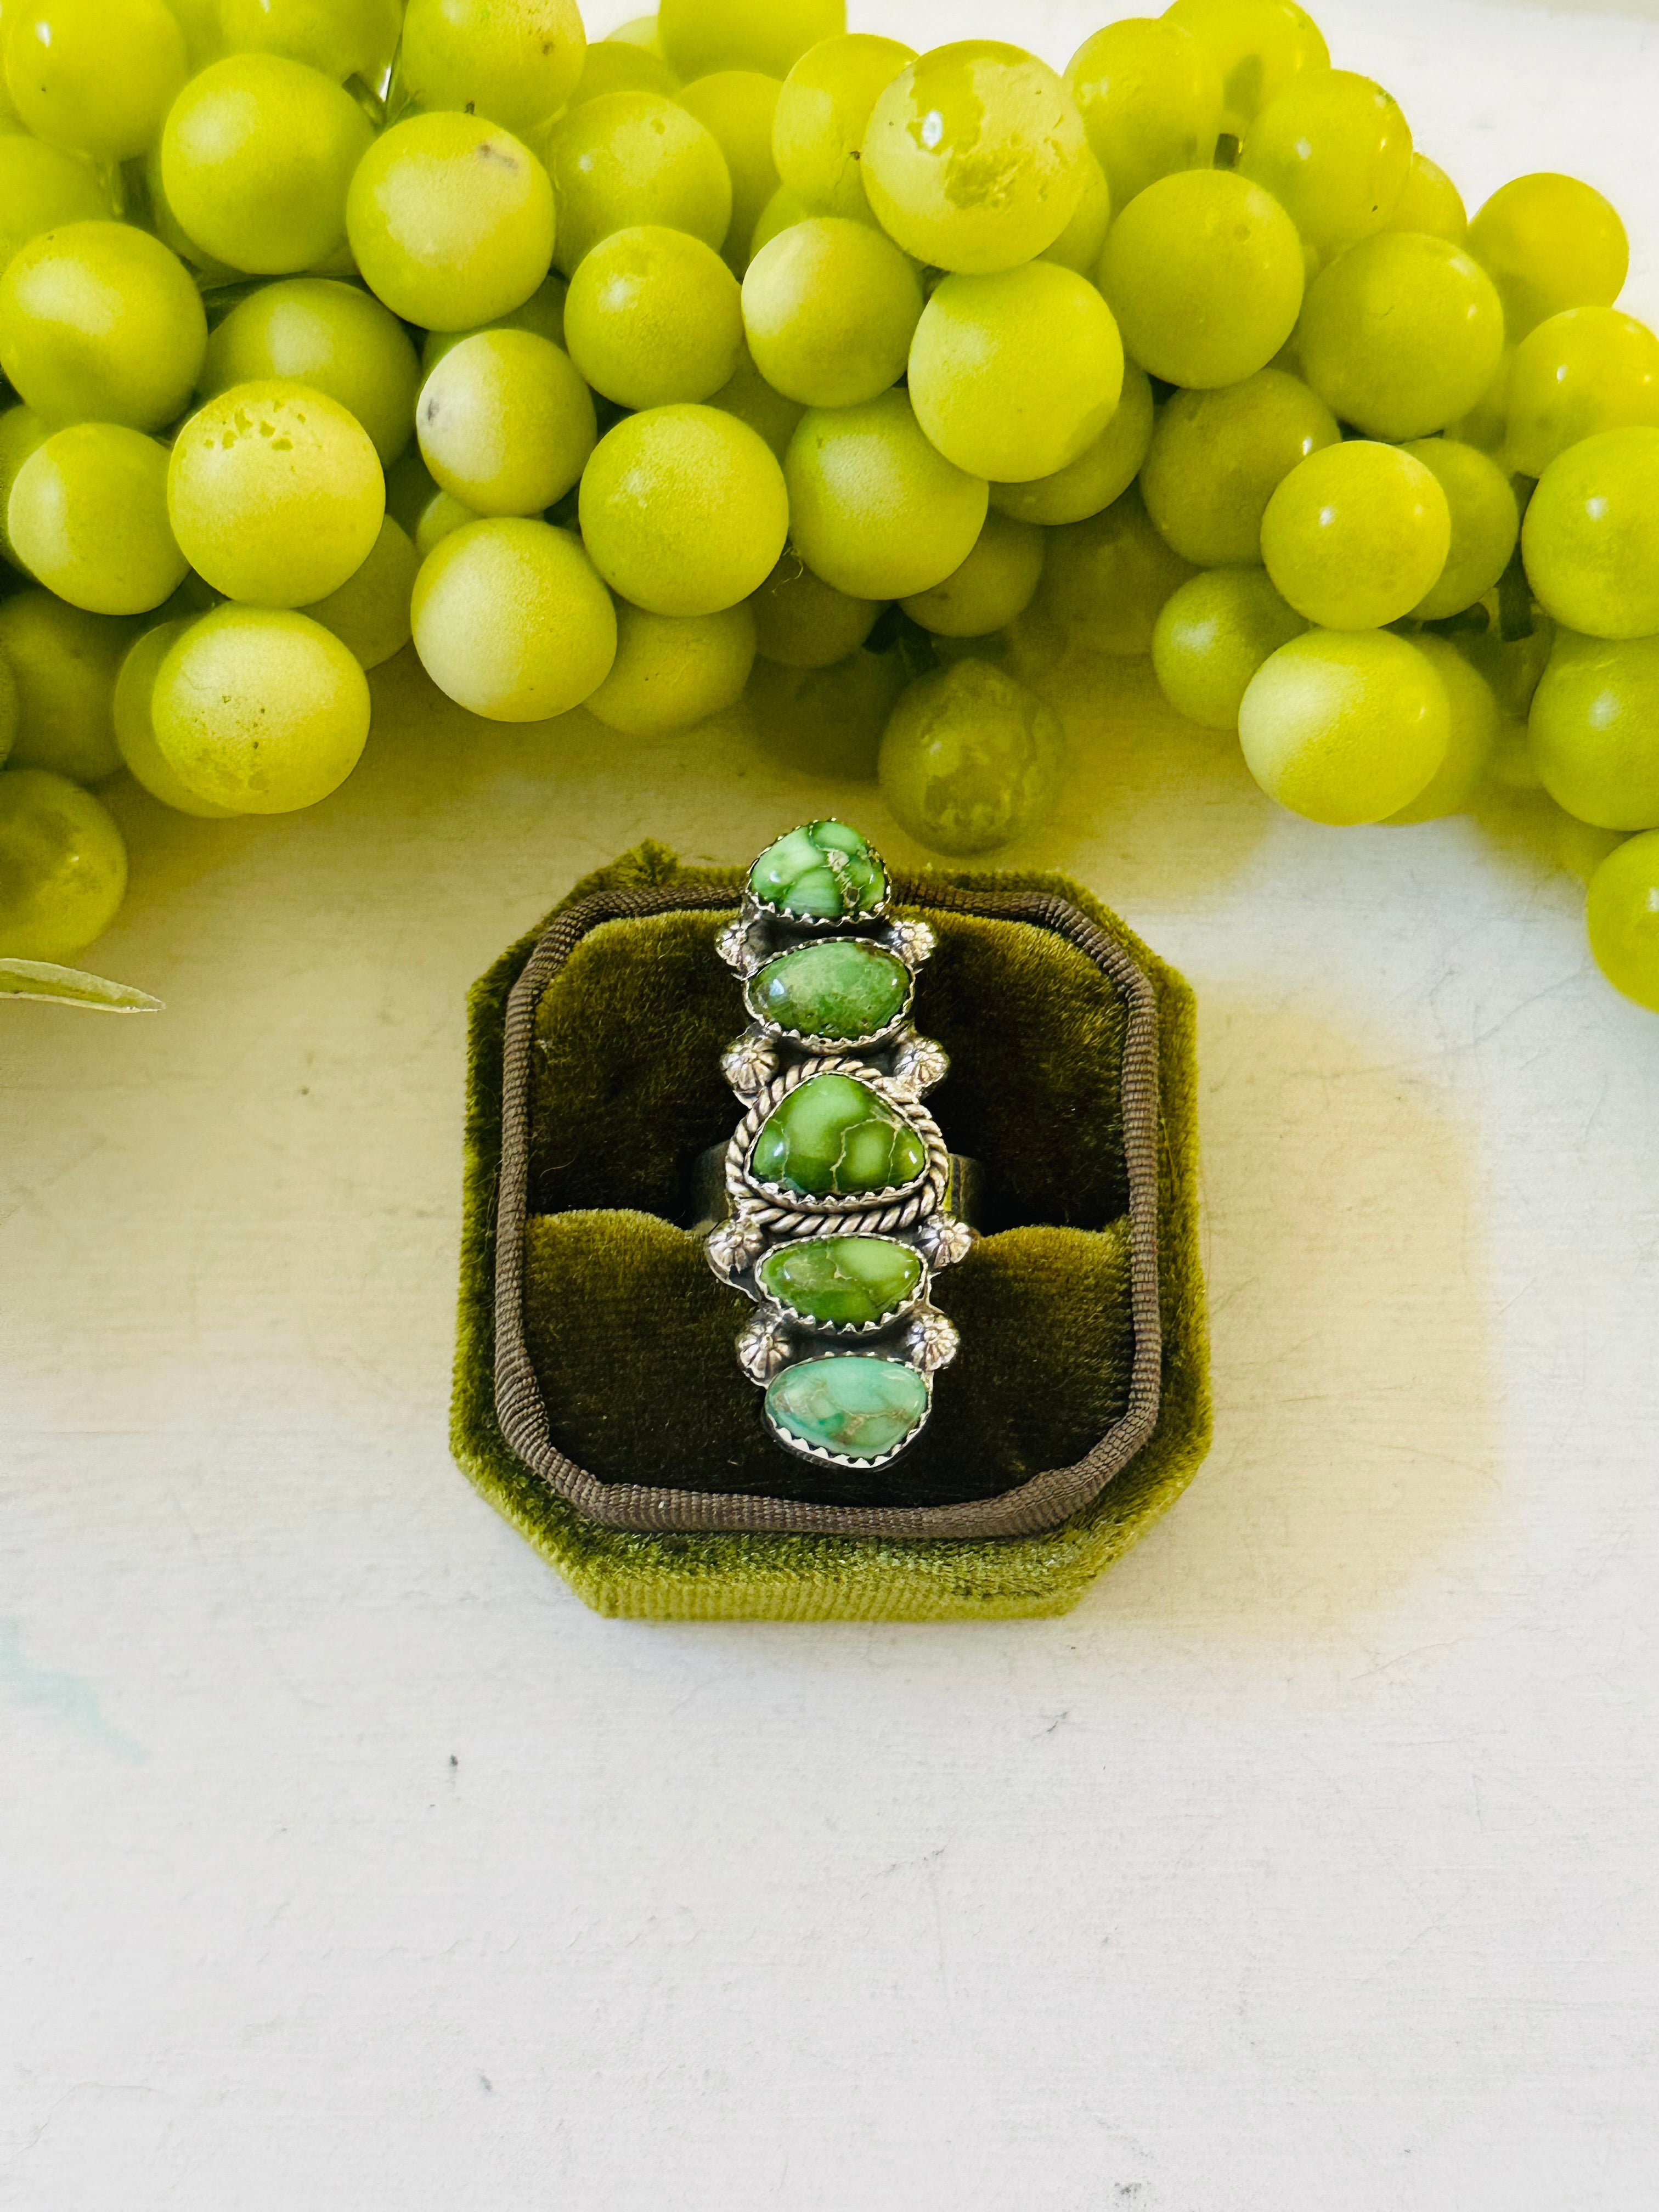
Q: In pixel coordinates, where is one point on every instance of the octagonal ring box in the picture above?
(599, 1403)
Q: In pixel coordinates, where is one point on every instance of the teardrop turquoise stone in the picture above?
(849, 1282)
(862, 1408)
(824, 872)
(834, 1137)
(846, 987)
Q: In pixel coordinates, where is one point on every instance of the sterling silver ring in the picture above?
(841, 1200)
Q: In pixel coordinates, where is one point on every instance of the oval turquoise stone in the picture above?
(835, 1138)
(824, 872)
(849, 1282)
(862, 1408)
(846, 987)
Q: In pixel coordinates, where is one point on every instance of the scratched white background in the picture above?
(350, 1864)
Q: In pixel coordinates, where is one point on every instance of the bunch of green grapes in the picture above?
(736, 355)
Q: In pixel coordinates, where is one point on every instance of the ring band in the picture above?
(839, 1199)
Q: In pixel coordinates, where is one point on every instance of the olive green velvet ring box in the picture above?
(599, 1400)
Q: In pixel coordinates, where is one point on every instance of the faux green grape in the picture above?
(1150, 96)
(255, 159)
(1097, 477)
(1470, 736)
(62, 866)
(22, 431)
(749, 396)
(823, 113)
(516, 62)
(615, 65)
(370, 612)
(974, 157)
(342, 38)
(971, 759)
(1082, 242)
(42, 189)
(1107, 580)
(629, 159)
(1256, 48)
(1485, 521)
(451, 221)
(1204, 272)
(261, 710)
(830, 308)
(512, 620)
(996, 583)
(673, 671)
(654, 316)
(701, 36)
(1015, 376)
(683, 510)
(875, 508)
(505, 422)
(804, 622)
(1216, 457)
(542, 313)
(1402, 335)
(826, 722)
(1623, 919)
(1356, 535)
(1486, 424)
(1591, 536)
(276, 494)
(88, 518)
(1549, 242)
(1212, 637)
(134, 726)
(1431, 203)
(736, 108)
(204, 37)
(65, 663)
(442, 513)
(333, 337)
(1586, 370)
(93, 76)
(1344, 726)
(99, 322)
(1335, 151)
(1594, 729)
(783, 209)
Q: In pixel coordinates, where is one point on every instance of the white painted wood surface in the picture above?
(350, 1864)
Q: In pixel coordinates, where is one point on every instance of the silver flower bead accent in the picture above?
(931, 1342)
(914, 942)
(945, 1242)
(764, 1347)
(918, 1065)
(750, 1064)
(735, 1245)
(736, 946)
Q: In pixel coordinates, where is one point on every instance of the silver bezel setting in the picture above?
(899, 1206)
(844, 1331)
(822, 1453)
(870, 1039)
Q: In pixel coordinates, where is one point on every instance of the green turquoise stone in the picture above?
(845, 987)
(846, 1282)
(824, 872)
(862, 1408)
(834, 1137)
